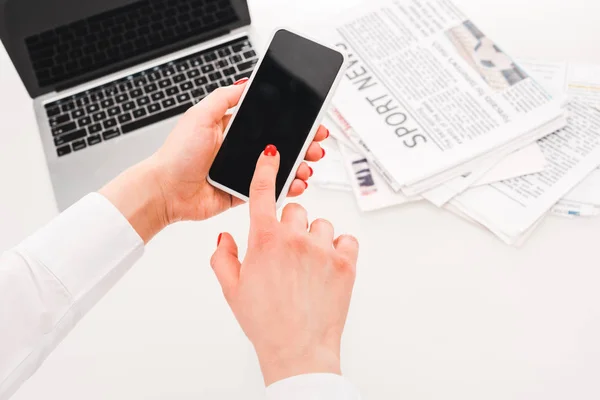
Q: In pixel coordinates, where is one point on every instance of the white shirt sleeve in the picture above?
(313, 387)
(53, 278)
(57, 275)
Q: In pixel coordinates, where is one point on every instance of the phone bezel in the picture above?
(312, 132)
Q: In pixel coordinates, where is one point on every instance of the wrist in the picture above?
(137, 194)
(280, 365)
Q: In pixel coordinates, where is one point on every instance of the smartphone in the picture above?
(283, 104)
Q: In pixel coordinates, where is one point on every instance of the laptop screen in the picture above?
(56, 44)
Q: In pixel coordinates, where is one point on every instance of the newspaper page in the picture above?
(330, 172)
(370, 190)
(426, 90)
(510, 208)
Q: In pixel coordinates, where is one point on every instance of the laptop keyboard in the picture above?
(118, 35)
(125, 105)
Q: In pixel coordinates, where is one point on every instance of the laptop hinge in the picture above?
(87, 78)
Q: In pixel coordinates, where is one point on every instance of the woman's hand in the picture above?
(171, 185)
(292, 292)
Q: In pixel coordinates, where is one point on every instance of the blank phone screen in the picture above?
(280, 108)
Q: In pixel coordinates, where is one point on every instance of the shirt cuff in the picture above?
(85, 245)
(313, 387)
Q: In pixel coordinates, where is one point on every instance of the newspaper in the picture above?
(510, 208)
(371, 191)
(428, 93)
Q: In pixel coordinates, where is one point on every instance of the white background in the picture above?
(441, 309)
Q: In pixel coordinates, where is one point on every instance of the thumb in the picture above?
(225, 263)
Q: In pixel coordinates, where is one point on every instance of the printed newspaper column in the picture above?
(427, 92)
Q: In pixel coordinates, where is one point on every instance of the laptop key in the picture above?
(226, 82)
(77, 113)
(179, 78)
(69, 137)
(59, 130)
(168, 72)
(210, 57)
(140, 112)
(152, 108)
(61, 119)
(110, 133)
(92, 140)
(154, 76)
(92, 108)
(236, 59)
(172, 91)
(68, 107)
(207, 68)
(121, 98)
(222, 63)
(211, 87)
(164, 83)
(63, 151)
(150, 88)
(168, 103)
(96, 96)
(85, 121)
(124, 118)
(130, 105)
(182, 67)
(109, 123)
(156, 96)
(249, 54)
(215, 76)
(246, 65)
(242, 75)
(94, 128)
(51, 112)
(154, 118)
(186, 86)
(79, 145)
(183, 97)
(142, 101)
(196, 62)
(136, 93)
(107, 103)
(114, 111)
(193, 73)
(201, 81)
(84, 101)
(100, 116)
(198, 92)
(224, 52)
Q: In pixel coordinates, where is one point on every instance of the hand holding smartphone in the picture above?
(282, 105)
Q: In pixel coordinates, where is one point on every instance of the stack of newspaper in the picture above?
(432, 109)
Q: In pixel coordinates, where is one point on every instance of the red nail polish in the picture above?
(311, 171)
(219, 239)
(270, 150)
(327, 133)
(243, 80)
(305, 184)
(323, 150)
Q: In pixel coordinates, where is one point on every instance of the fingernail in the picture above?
(219, 239)
(305, 184)
(323, 150)
(311, 171)
(243, 80)
(327, 133)
(270, 150)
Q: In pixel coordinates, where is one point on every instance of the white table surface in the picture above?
(441, 308)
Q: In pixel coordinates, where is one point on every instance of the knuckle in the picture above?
(264, 237)
(351, 240)
(346, 266)
(295, 208)
(298, 240)
(261, 185)
(322, 221)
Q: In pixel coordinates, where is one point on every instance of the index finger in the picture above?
(263, 187)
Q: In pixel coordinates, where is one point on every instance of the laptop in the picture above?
(109, 78)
